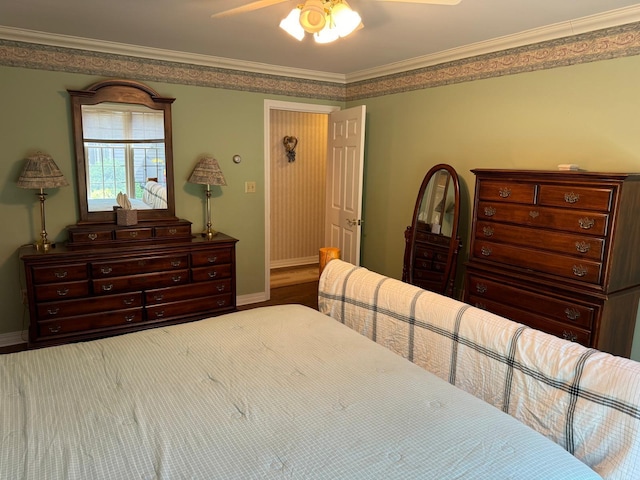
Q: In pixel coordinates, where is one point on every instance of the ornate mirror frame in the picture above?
(125, 92)
(431, 246)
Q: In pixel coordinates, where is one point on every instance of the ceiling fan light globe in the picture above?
(291, 24)
(313, 18)
(344, 19)
(327, 35)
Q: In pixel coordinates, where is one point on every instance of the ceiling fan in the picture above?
(327, 20)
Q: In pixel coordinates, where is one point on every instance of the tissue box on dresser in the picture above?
(126, 217)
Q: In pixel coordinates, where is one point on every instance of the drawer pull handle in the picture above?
(133, 234)
(504, 192)
(160, 314)
(220, 288)
(55, 329)
(572, 313)
(107, 288)
(158, 297)
(92, 236)
(62, 291)
(481, 288)
(175, 263)
(106, 270)
(571, 197)
(176, 278)
(142, 263)
(213, 274)
(129, 318)
(128, 301)
(212, 259)
(489, 211)
(60, 274)
(572, 337)
(579, 270)
(583, 247)
(487, 231)
(486, 251)
(53, 311)
(480, 305)
(586, 223)
(534, 214)
(172, 231)
(221, 303)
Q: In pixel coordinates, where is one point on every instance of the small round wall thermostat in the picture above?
(237, 159)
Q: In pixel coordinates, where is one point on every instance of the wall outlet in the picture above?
(249, 187)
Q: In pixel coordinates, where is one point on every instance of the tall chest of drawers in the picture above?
(91, 293)
(558, 251)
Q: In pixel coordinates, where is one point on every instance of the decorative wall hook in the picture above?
(290, 144)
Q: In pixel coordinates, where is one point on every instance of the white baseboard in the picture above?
(294, 262)
(251, 298)
(13, 338)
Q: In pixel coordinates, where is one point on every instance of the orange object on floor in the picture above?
(326, 255)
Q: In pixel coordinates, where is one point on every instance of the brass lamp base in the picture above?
(43, 246)
(209, 233)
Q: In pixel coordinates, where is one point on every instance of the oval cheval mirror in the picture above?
(431, 241)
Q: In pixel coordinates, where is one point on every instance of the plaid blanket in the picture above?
(585, 400)
(155, 195)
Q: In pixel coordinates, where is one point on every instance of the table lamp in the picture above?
(207, 172)
(41, 172)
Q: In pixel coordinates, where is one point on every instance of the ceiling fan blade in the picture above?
(430, 2)
(249, 7)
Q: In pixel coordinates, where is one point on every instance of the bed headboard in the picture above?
(583, 399)
(154, 194)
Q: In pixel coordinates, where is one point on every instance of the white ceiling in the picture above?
(393, 34)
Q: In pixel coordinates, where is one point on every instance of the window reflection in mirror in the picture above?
(125, 152)
(123, 143)
(436, 208)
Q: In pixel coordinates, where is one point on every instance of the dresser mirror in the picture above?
(123, 144)
(431, 241)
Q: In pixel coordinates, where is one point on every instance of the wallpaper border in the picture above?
(593, 46)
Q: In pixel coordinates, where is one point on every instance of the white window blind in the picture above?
(107, 122)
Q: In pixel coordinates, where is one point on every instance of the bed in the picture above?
(282, 392)
(154, 196)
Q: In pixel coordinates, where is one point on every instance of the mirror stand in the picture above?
(432, 243)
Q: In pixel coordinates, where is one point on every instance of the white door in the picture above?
(345, 169)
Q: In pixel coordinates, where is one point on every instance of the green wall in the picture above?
(584, 114)
(36, 116)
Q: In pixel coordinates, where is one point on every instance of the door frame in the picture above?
(292, 107)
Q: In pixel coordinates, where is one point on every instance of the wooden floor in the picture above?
(302, 293)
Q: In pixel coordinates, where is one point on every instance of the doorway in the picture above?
(286, 202)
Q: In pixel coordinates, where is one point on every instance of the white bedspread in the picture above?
(273, 393)
(585, 400)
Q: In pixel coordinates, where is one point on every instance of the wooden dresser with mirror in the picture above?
(431, 241)
(109, 279)
(558, 251)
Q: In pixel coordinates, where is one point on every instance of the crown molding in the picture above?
(613, 18)
(609, 19)
(78, 43)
